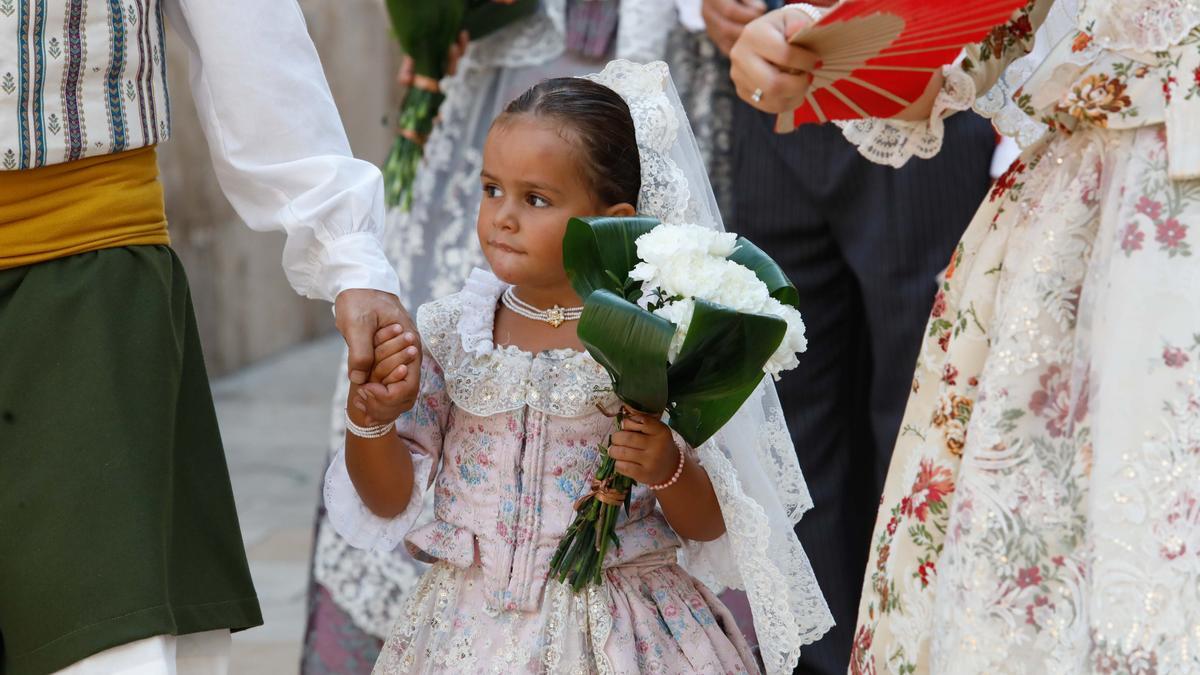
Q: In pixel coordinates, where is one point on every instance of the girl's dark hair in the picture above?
(603, 125)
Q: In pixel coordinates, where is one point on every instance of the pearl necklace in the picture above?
(555, 316)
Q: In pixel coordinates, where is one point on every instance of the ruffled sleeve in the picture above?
(756, 477)
(277, 143)
(423, 429)
(894, 142)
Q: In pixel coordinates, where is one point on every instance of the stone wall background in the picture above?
(245, 308)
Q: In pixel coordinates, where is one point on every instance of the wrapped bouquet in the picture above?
(426, 29)
(687, 320)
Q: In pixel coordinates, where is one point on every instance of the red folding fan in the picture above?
(878, 56)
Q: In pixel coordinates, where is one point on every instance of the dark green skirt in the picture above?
(117, 519)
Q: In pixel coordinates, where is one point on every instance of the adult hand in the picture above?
(725, 19)
(406, 75)
(394, 384)
(770, 73)
(360, 314)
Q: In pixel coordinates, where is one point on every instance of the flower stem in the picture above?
(579, 559)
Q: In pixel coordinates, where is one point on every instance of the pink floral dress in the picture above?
(507, 440)
(1042, 512)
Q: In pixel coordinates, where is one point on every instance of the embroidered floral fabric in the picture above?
(1040, 513)
(1124, 65)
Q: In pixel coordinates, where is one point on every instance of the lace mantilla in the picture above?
(536, 40)
(484, 380)
(665, 194)
(894, 142)
(1139, 25)
(761, 557)
(644, 28)
(751, 461)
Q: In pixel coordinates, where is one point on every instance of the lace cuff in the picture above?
(354, 521)
(894, 142)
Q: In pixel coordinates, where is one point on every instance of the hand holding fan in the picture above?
(878, 56)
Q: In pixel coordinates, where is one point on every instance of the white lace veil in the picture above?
(751, 461)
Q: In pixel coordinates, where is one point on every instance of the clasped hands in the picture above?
(384, 364)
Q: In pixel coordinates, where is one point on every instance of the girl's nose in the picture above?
(506, 217)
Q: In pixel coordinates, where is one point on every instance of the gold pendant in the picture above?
(555, 316)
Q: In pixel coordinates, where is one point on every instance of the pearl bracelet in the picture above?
(377, 431)
(675, 478)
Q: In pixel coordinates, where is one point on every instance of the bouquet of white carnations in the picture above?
(686, 320)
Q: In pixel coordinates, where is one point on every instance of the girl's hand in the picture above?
(770, 73)
(645, 450)
(395, 381)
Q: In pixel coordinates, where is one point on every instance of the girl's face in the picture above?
(533, 183)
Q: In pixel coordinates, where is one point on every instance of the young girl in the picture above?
(1041, 512)
(506, 427)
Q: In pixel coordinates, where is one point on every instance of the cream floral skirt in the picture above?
(1042, 514)
(657, 620)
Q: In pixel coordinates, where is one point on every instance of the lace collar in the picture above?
(484, 380)
(477, 322)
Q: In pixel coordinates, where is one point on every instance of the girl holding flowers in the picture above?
(512, 413)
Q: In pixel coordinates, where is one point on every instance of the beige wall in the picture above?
(244, 305)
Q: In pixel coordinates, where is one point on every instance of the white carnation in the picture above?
(794, 341)
(680, 314)
(682, 260)
(691, 263)
(739, 289)
(667, 241)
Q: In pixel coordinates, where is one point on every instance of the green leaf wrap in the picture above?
(600, 251)
(718, 367)
(778, 285)
(632, 345)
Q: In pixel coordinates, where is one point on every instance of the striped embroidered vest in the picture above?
(80, 78)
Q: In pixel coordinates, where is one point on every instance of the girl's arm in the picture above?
(646, 451)
(381, 469)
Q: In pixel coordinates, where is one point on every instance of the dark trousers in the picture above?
(863, 243)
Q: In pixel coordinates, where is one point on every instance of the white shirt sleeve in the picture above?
(278, 145)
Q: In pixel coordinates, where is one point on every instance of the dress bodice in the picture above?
(517, 435)
(1129, 64)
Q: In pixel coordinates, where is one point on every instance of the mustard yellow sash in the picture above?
(67, 209)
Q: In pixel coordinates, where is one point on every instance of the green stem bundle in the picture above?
(417, 115)
(579, 560)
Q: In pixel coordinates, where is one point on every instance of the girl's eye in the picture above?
(492, 191)
(538, 202)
